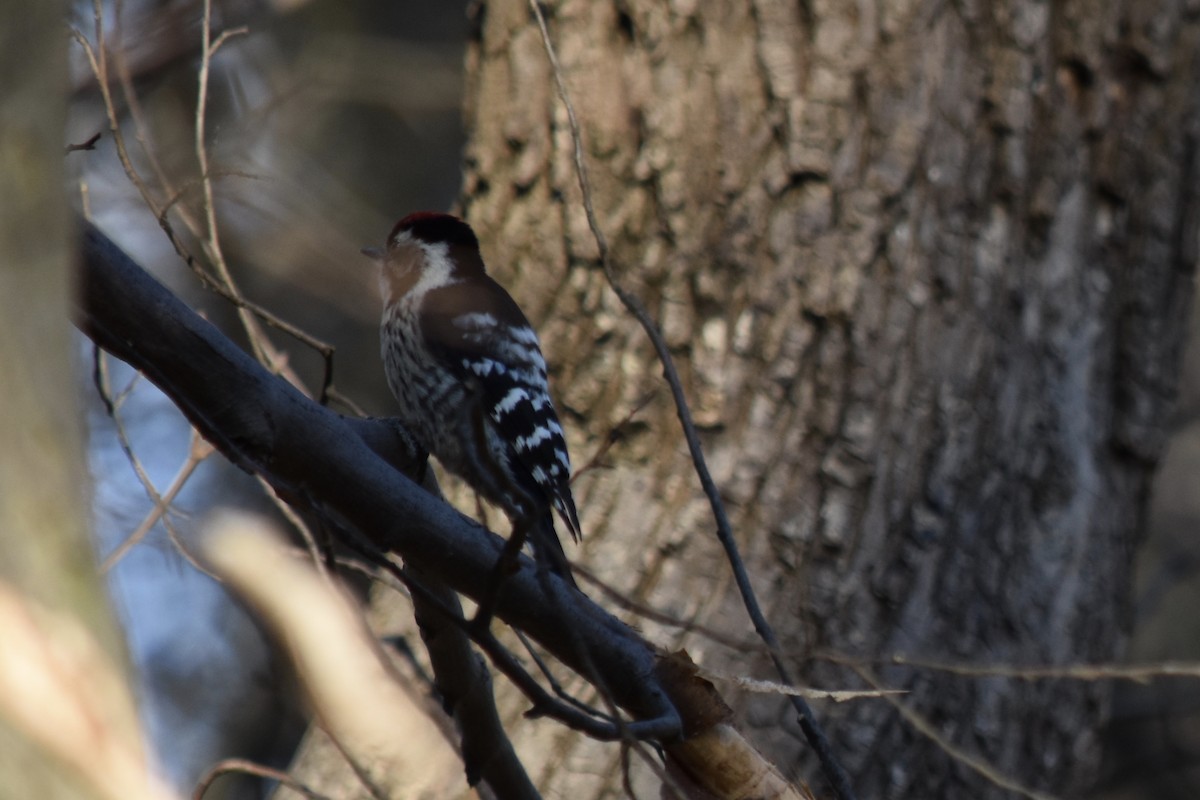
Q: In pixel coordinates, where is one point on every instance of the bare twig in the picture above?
(465, 685)
(654, 761)
(663, 618)
(926, 728)
(1138, 673)
(833, 769)
(134, 106)
(570, 712)
(98, 62)
(772, 687)
(297, 522)
(356, 765)
(101, 382)
(331, 394)
(244, 767)
(555, 685)
(197, 453)
(87, 144)
(263, 350)
(614, 435)
(174, 196)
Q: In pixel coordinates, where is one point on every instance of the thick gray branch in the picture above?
(323, 462)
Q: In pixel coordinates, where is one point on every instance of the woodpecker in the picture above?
(468, 373)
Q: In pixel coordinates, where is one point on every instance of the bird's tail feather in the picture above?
(548, 549)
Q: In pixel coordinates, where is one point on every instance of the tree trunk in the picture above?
(66, 716)
(925, 269)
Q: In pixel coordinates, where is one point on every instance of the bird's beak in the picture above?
(376, 254)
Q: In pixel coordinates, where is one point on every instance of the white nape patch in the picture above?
(439, 267)
(514, 396)
(475, 321)
(431, 262)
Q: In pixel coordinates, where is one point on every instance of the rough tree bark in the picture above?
(925, 267)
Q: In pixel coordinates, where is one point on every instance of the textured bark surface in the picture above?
(925, 267)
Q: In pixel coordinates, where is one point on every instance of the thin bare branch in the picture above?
(926, 728)
(261, 346)
(555, 685)
(465, 685)
(244, 767)
(98, 63)
(1138, 673)
(297, 522)
(614, 435)
(569, 711)
(663, 618)
(773, 687)
(134, 106)
(161, 506)
(87, 144)
(197, 453)
(832, 767)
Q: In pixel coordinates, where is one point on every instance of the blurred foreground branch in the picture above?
(61, 690)
(341, 667)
